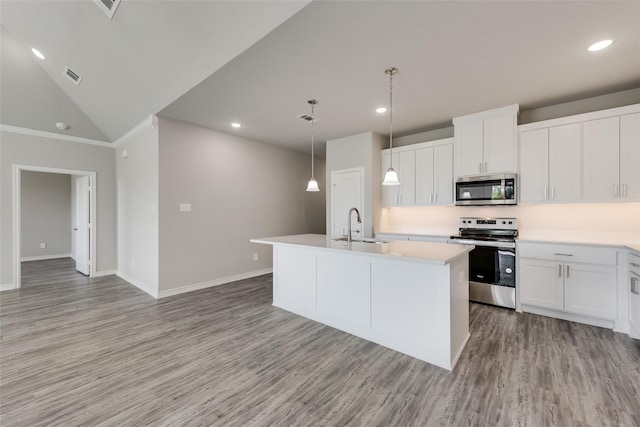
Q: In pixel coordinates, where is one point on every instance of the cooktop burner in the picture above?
(488, 229)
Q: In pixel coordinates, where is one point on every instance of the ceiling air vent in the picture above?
(72, 76)
(108, 6)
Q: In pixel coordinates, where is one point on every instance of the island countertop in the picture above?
(426, 252)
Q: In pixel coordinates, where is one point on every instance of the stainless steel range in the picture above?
(492, 264)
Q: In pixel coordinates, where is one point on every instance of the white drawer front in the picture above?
(568, 253)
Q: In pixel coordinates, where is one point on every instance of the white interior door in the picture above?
(81, 229)
(346, 193)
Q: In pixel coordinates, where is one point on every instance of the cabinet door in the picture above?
(407, 177)
(534, 165)
(390, 192)
(591, 290)
(601, 159)
(469, 148)
(424, 176)
(564, 162)
(443, 174)
(541, 283)
(630, 157)
(499, 144)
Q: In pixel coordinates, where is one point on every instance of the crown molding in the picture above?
(53, 135)
(151, 121)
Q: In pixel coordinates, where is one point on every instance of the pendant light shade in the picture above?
(313, 184)
(391, 177)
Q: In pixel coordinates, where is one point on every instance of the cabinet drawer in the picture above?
(568, 253)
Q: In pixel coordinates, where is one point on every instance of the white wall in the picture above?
(33, 150)
(238, 189)
(46, 214)
(361, 150)
(138, 209)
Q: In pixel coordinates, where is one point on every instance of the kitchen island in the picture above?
(412, 297)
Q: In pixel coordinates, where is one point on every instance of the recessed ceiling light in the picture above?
(381, 110)
(37, 53)
(600, 45)
(236, 125)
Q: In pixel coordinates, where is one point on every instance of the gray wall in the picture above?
(361, 150)
(238, 189)
(41, 151)
(138, 209)
(529, 115)
(46, 214)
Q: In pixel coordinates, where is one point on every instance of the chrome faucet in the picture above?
(349, 239)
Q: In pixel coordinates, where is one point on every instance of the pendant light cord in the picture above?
(391, 117)
(313, 119)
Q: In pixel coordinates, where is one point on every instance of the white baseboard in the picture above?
(6, 287)
(105, 273)
(138, 284)
(43, 257)
(216, 282)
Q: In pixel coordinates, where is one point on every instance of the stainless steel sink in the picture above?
(344, 239)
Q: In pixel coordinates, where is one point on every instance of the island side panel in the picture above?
(344, 291)
(459, 321)
(410, 309)
(294, 279)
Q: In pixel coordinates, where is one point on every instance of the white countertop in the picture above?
(433, 253)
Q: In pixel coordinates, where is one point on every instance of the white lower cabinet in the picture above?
(584, 286)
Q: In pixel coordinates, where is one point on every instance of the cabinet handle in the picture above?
(430, 197)
(546, 190)
(634, 286)
(559, 254)
(624, 190)
(615, 190)
(486, 167)
(435, 197)
(559, 270)
(553, 192)
(567, 271)
(480, 166)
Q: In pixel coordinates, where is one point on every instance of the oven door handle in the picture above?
(483, 243)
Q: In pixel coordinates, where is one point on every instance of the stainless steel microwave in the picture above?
(486, 190)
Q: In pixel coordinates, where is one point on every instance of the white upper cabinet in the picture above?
(601, 159)
(485, 143)
(404, 163)
(550, 164)
(630, 157)
(434, 175)
(589, 157)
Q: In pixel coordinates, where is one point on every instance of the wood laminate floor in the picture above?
(100, 352)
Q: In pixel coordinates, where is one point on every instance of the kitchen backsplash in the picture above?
(606, 222)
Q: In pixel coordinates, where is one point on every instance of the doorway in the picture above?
(347, 187)
(83, 235)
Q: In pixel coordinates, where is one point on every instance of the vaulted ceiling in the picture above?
(258, 62)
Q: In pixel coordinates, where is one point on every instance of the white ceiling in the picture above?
(132, 66)
(454, 58)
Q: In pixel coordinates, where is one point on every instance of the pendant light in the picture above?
(391, 177)
(313, 184)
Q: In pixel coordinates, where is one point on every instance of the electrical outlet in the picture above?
(43, 245)
(255, 256)
(185, 207)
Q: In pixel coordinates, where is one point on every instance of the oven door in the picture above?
(493, 265)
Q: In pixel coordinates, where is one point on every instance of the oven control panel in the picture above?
(489, 223)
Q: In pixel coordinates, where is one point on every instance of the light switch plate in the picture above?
(185, 207)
